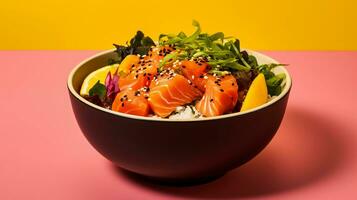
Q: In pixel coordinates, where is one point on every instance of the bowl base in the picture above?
(174, 182)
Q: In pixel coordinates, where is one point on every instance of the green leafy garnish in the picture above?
(98, 90)
(274, 84)
(139, 44)
(221, 54)
(224, 56)
(168, 58)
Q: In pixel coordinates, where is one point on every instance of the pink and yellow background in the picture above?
(43, 154)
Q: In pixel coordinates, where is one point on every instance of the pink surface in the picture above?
(43, 154)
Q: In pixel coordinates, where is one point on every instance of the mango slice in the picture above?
(257, 93)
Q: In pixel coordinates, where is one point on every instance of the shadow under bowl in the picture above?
(176, 151)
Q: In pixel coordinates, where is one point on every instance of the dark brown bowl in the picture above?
(176, 151)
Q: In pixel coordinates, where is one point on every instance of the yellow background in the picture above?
(96, 24)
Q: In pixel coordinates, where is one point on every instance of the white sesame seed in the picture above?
(205, 77)
(193, 77)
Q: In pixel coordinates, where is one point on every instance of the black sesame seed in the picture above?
(183, 66)
(201, 76)
(146, 97)
(122, 104)
(211, 100)
(232, 84)
(221, 90)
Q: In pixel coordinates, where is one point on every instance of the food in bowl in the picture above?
(173, 150)
(182, 77)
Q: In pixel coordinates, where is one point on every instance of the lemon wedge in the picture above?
(99, 74)
(257, 93)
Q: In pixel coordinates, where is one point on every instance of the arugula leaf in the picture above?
(167, 58)
(217, 36)
(98, 90)
(195, 34)
(274, 84)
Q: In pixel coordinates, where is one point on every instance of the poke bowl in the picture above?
(175, 150)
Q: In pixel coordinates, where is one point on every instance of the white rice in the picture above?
(185, 112)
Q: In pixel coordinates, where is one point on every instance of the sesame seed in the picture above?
(211, 100)
(205, 77)
(122, 104)
(221, 90)
(193, 77)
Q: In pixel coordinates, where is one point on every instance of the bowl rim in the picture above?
(288, 84)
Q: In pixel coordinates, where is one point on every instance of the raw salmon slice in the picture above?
(169, 92)
(195, 72)
(143, 72)
(131, 102)
(220, 97)
(140, 75)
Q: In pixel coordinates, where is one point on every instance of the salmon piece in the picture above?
(195, 72)
(220, 97)
(143, 72)
(169, 92)
(131, 102)
(140, 76)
